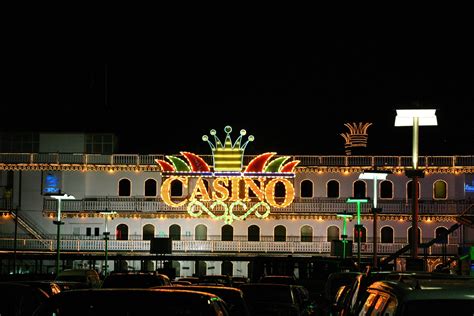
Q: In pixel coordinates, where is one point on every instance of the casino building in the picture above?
(215, 213)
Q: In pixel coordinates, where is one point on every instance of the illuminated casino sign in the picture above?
(227, 190)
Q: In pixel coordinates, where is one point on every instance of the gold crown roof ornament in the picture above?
(228, 157)
(357, 136)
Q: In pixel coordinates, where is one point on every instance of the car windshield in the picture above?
(440, 307)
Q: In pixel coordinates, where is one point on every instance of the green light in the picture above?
(471, 251)
(358, 202)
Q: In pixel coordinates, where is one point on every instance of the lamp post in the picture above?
(59, 223)
(106, 239)
(358, 226)
(374, 175)
(344, 217)
(415, 118)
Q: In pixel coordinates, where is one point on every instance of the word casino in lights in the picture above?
(234, 192)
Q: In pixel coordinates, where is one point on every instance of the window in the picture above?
(409, 235)
(306, 189)
(387, 235)
(88, 231)
(175, 232)
(441, 232)
(279, 233)
(125, 187)
(227, 233)
(121, 233)
(254, 233)
(386, 189)
(333, 189)
(96, 231)
(150, 187)
(306, 233)
(359, 189)
(176, 188)
(200, 232)
(100, 144)
(280, 190)
(333, 233)
(410, 189)
(148, 232)
(363, 235)
(439, 190)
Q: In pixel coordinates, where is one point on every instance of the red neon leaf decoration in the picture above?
(290, 167)
(197, 163)
(258, 163)
(164, 165)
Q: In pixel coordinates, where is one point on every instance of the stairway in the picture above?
(29, 227)
(464, 218)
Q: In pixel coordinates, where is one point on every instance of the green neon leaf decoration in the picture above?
(275, 165)
(179, 164)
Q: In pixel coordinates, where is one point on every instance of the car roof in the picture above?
(427, 289)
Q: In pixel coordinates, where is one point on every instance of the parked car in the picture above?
(233, 297)
(78, 278)
(20, 299)
(278, 279)
(276, 299)
(414, 296)
(135, 280)
(225, 280)
(132, 302)
(50, 287)
(357, 294)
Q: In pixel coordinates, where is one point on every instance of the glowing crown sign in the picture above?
(228, 157)
(225, 191)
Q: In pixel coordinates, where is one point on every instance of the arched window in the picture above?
(280, 190)
(386, 189)
(306, 233)
(175, 232)
(332, 189)
(279, 233)
(409, 235)
(387, 235)
(125, 187)
(359, 188)
(439, 190)
(410, 190)
(363, 235)
(227, 233)
(441, 232)
(306, 189)
(121, 233)
(176, 188)
(227, 267)
(200, 232)
(150, 187)
(333, 233)
(148, 232)
(254, 233)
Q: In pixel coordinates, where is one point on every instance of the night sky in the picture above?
(294, 94)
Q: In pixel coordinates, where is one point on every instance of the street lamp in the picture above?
(374, 175)
(415, 118)
(344, 217)
(358, 226)
(106, 239)
(59, 223)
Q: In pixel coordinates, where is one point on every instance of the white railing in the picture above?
(306, 160)
(314, 206)
(211, 246)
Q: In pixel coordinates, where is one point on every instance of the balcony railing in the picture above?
(328, 161)
(293, 244)
(300, 206)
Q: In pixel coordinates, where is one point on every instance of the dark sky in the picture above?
(294, 94)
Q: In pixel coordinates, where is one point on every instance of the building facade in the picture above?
(269, 205)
